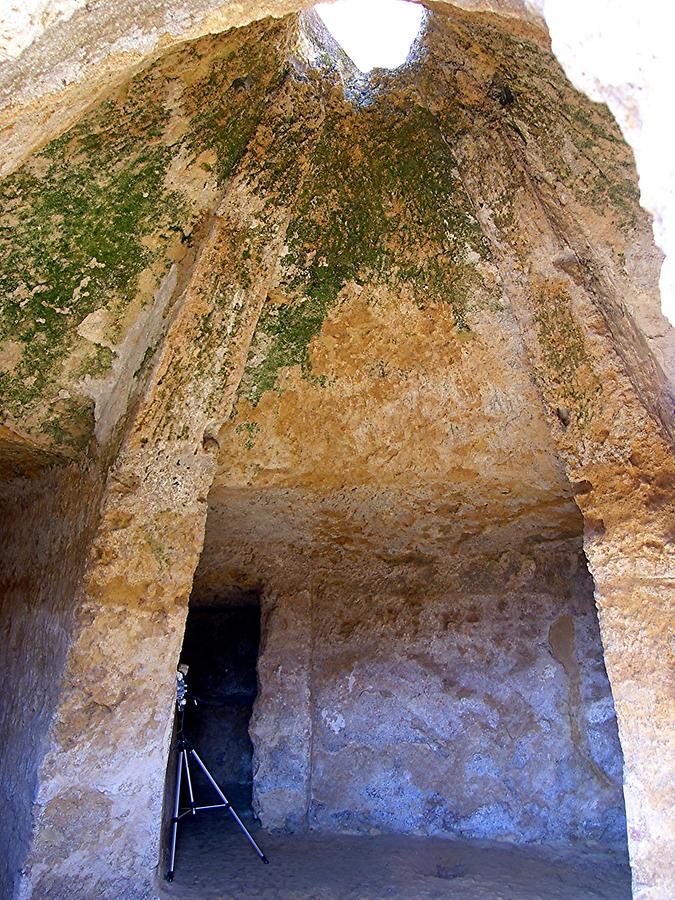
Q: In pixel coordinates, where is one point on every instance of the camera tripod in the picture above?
(185, 750)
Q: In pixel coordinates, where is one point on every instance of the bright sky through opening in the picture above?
(373, 33)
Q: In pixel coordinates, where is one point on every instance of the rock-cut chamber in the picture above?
(393, 314)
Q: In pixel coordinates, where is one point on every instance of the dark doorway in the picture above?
(221, 649)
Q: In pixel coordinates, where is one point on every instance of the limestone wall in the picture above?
(616, 53)
(480, 708)
(45, 527)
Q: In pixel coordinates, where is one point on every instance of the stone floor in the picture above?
(214, 861)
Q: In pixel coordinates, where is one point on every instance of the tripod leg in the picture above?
(174, 820)
(231, 811)
(188, 778)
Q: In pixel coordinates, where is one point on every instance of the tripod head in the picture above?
(181, 687)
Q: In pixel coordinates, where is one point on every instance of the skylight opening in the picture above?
(373, 33)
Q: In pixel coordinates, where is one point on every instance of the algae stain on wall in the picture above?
(382, 207)
(92, 223)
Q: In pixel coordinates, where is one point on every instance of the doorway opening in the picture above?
(220, 648)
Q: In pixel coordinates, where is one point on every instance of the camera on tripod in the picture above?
(181, 687)
(185, 752)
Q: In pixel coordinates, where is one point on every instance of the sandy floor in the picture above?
(214, 861)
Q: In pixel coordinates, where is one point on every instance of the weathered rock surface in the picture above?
(45, 530)
(96, 234)
(616, 52)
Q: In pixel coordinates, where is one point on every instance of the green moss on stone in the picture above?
(71, 424)
(379, 205)
(250, 429)
(574, 138)
(226, 105)
(564, 353)
(73, 246)
(79, 219)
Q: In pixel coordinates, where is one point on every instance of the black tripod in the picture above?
(185, 750)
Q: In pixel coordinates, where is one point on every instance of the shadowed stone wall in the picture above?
(46, 525)
(281, 727)
(479, 708)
